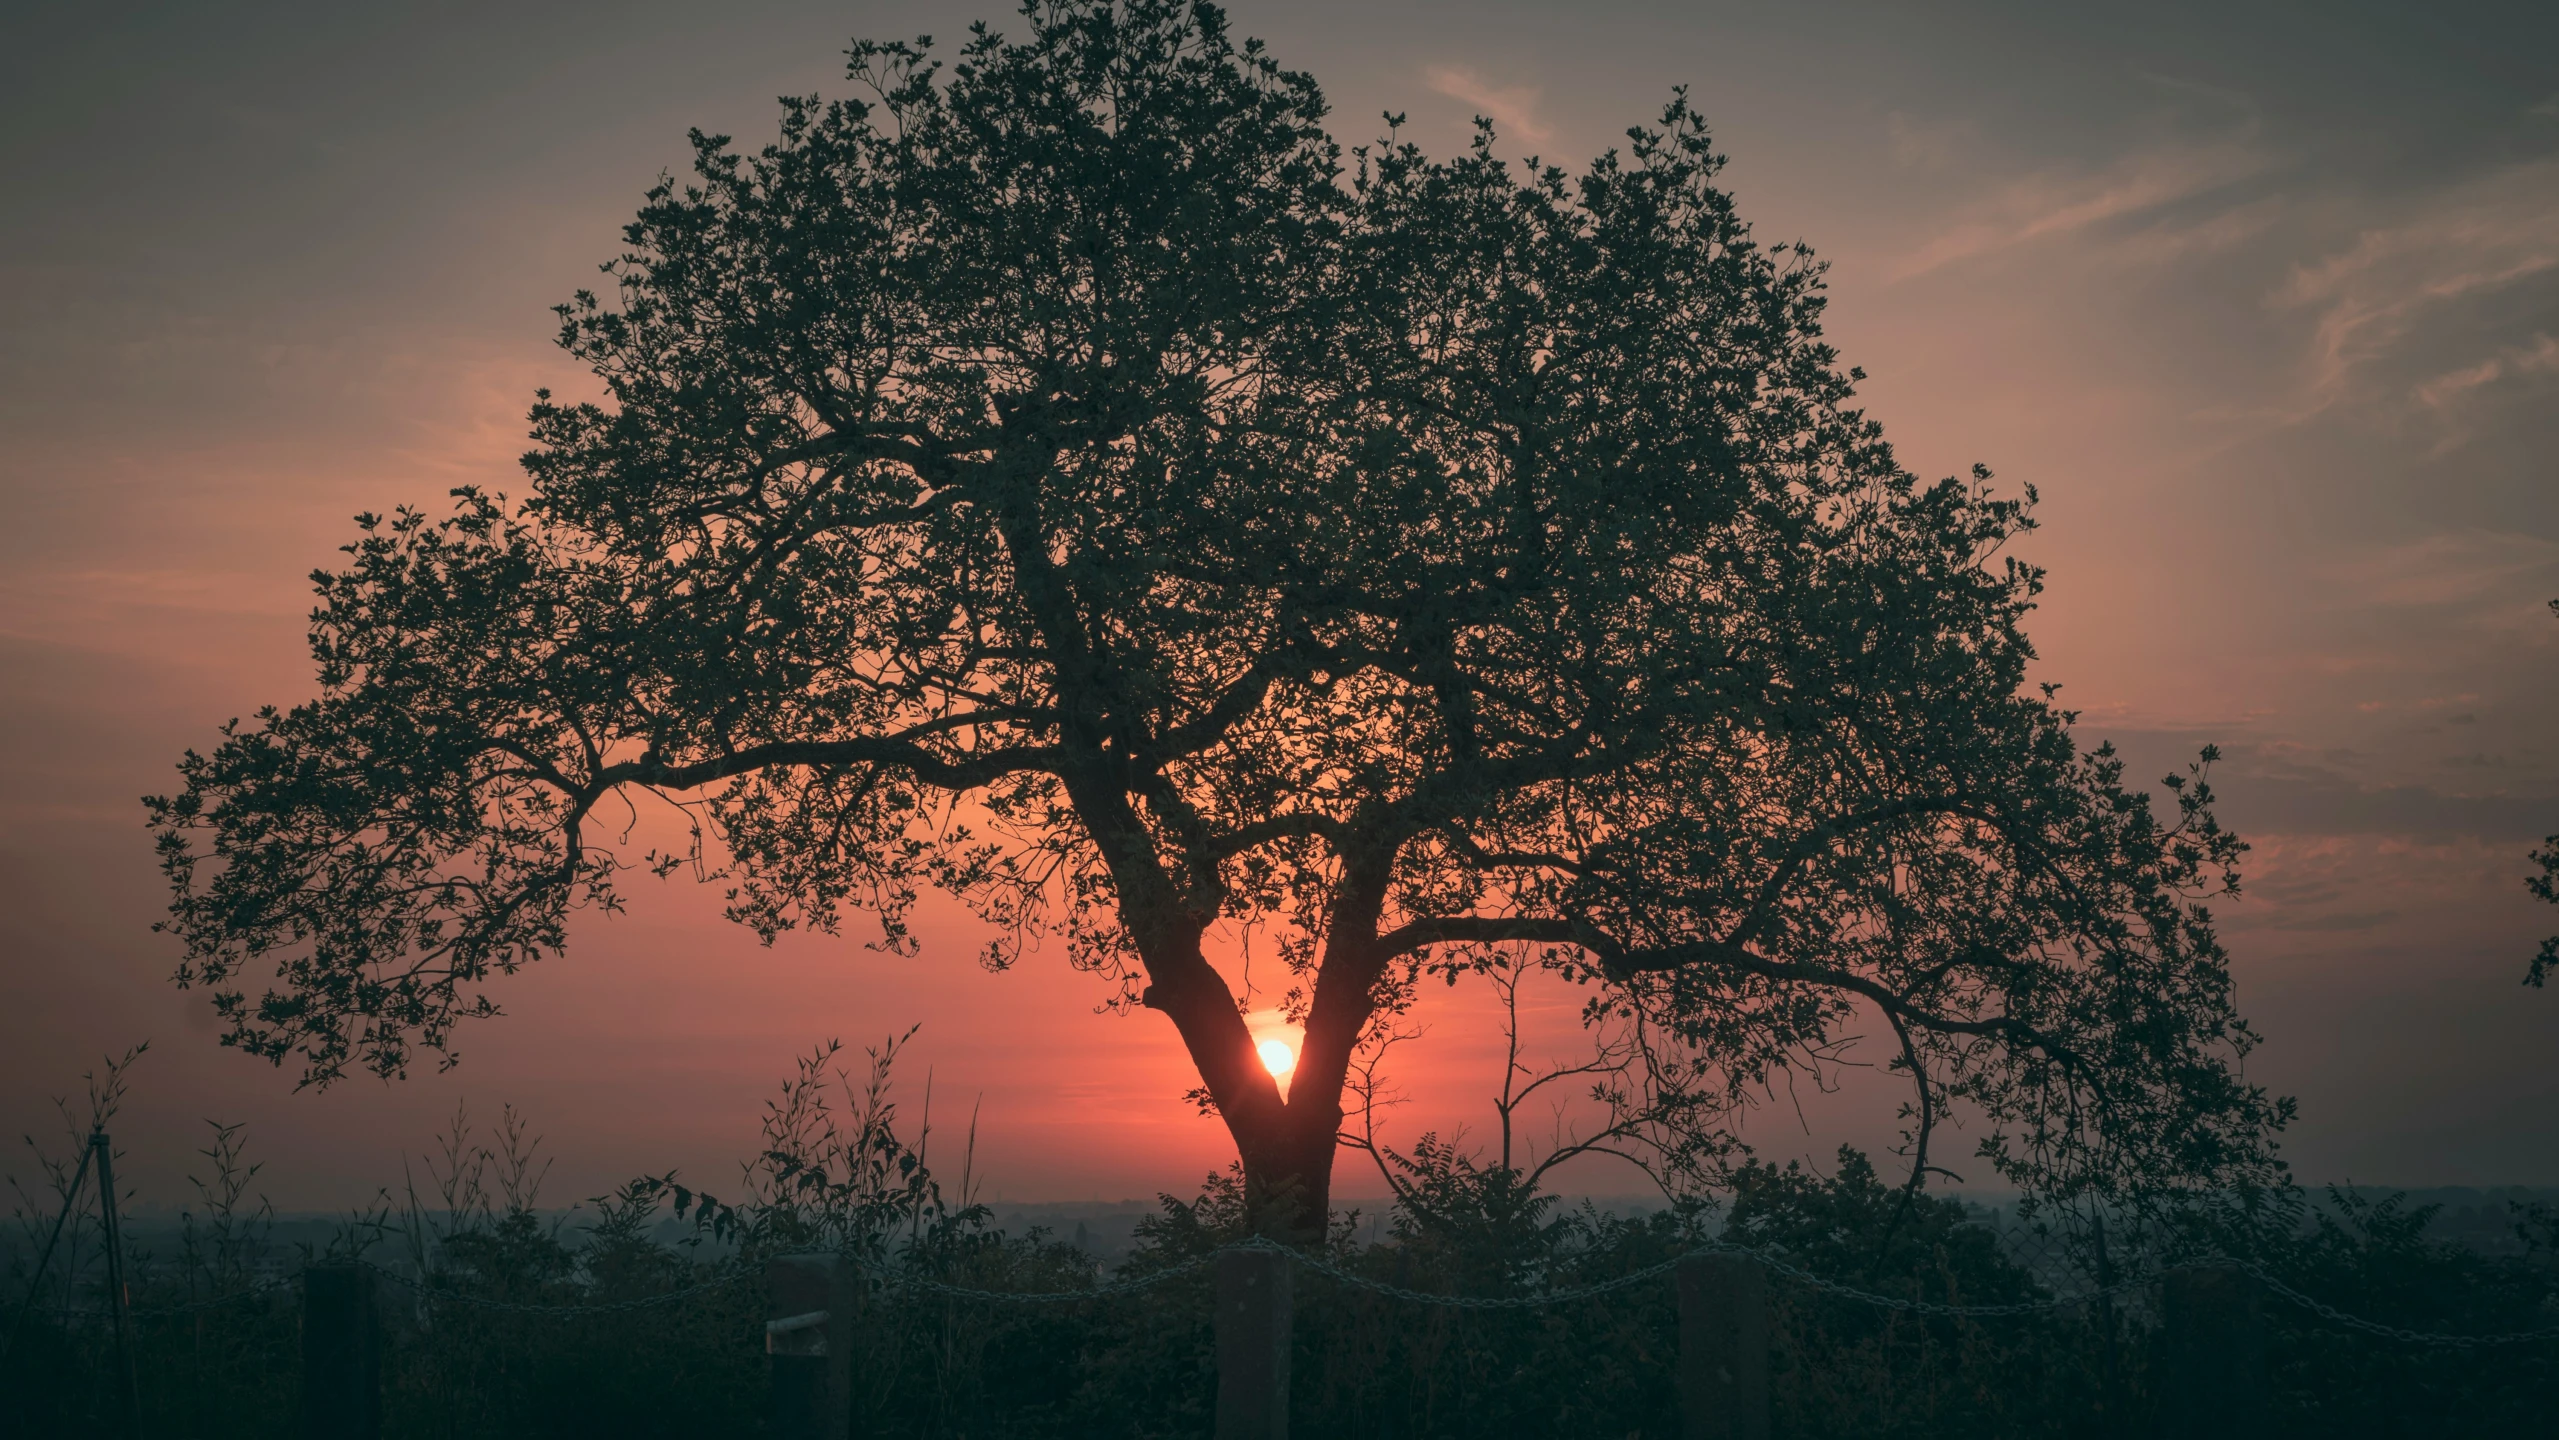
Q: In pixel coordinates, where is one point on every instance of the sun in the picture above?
(1278, 1057)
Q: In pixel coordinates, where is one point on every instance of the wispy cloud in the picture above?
(2175, 239)
(2454, 387)
(1513, 109)
(2497, 575)
(2375, 296)
(2057, 203)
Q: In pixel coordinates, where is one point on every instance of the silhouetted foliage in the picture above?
(1064, 480)
(839, 1169)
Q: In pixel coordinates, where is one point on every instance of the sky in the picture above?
(2262, 298)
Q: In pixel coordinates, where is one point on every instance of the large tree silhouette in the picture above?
(1066, 481)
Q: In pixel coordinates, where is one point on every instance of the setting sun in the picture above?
(1278, 1057)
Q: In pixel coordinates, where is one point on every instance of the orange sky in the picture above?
(2264, 307)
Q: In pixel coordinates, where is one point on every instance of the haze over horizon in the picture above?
(2263, 300)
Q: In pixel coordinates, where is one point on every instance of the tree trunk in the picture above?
(1288, 1177)
(1285, 1144)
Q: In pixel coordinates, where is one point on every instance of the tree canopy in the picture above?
(1072, 481)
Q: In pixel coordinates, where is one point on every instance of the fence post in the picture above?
(1253, 1338)
(2212, 1354)
(809, 1338)
(341, 1354)
(1723, 1347)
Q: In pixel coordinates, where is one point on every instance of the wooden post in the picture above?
(809, 1337)
(1723, 1348)
(2211, 1377)
(1254, 1290)
(341, 1354)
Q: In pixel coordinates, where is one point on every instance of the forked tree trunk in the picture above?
(1285, 1144)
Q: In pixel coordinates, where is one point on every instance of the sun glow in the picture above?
(1278, 1057)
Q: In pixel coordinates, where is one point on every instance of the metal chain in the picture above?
(905, 1279)
(911, 1280)
(517, 1307)
(189, 1307)
(2335, 1316)
(908, 1279)
(1650, 1272)
(214, 1303)
(1939, 1308)
(1327, 1268)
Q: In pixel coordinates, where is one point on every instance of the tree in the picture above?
(1068, 482)
(2545, 886)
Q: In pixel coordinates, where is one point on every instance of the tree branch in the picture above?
(932, 769)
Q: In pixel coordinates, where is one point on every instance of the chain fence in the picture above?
(426, 1290)
(1775, 1263)
(2404, 1336)
(174, 1308)
(907, 1279)
(733, 1274)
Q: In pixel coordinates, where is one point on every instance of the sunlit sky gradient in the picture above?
(2263, 298)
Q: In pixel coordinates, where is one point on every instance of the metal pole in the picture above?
(2212, 1372)
(1723, 1347)
(1253, 1340)
(341, 1354)
(809, 1335)
(2110, 1329)
(118, 1300)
